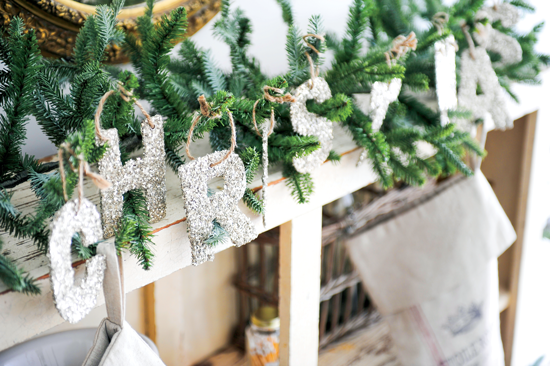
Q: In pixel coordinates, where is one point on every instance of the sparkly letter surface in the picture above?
(508, 14)
(222, 206)
(310, 124)
(75, 302)
(147, 173)
(506, 46)
(445, 76)
(382, 94)
(480, 71)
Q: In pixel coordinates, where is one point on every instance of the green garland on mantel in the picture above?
(63, 96)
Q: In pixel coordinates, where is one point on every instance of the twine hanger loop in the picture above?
(126, 96)
(206, 111)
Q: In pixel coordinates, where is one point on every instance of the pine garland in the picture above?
(63, 96)
(15, 278)
(20, 55)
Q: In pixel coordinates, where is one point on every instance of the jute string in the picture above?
(206, 111)
(314, 72)
(83, 170)
(439, 20)
(469, 39)
(274, 99)
(127, 97)
(400, 46)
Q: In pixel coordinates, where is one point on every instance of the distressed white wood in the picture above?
(299, 288)
(22, 316)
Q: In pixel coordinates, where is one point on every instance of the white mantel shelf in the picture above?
(22, 316)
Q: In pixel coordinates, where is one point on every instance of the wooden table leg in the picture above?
(299, 289)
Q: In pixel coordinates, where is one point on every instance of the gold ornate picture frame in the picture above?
(57, 22)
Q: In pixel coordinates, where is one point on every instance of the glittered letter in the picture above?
(445, 76)
(75, 302)
(310, 124)
(477, 69)
(381, 95)
(147, 173)
(507, 47)
(222, 206)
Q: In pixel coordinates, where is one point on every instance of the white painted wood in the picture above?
(22, 316)
(197, 310)
(299, 288)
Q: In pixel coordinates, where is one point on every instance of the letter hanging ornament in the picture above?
(384, 93)
(147, 173)
(445, 69)
(267, 130)
(507, 13)
(476, 69)
(202, 209)
(493, 40)
(72, 301)
(445, 76)
(306, 123)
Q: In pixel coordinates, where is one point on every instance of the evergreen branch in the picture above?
(20, 226)
(83, 251)
(358, 21)
(217, 236)
(336, 109)
(15, 279)
(286, 7)
(251, 161)
(173, 159)
(252, 202)
(17, 96)
(300, 184)
(134, 232)
(297, 62)
(216, 78)
(155, 61)
(334, 156)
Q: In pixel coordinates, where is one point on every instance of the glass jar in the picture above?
(262, 337)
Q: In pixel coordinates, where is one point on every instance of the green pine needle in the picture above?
(218, 235)
(252, 202)
(300, 184)
(15, 278)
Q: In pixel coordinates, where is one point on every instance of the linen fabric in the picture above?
(432, 273)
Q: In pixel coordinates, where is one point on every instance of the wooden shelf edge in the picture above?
(23, 316)
(504, 298)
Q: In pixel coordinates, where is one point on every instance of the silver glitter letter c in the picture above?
(75, 302)
(147, 173)
(222, 206)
